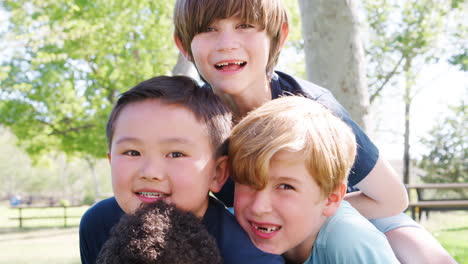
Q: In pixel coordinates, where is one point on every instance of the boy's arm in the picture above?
(381, 188)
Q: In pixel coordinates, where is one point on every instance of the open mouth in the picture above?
(266, 229)
(230, 65)
(152, 195)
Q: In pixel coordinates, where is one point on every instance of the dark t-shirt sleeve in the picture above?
(95, 226)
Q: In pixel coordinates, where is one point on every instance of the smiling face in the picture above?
(232, 56)
(287, 214)
(160, 151)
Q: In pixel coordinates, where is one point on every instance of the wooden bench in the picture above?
(425, 205)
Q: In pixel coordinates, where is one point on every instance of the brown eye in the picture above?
(209, 29)
(246, 26)
(132, 153)
(175, 155)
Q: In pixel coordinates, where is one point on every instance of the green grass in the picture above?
(47, 242)
(41, 246)
(40, 241)
(451, 230)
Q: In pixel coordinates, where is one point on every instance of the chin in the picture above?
(269, 249)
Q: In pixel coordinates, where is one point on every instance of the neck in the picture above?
(299, 255)
(241, 104)
(301, 252)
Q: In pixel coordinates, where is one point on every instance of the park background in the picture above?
(399, 67)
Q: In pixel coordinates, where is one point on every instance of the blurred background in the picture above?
(399, 67)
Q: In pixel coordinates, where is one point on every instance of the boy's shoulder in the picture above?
(348, 219)
(233, 243)
(348, 236)
(103, 210)
(95, 226)
(284, 83)
(98, 220)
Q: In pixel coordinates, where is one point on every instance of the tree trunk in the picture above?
(334, 53)
(64, 176)
(92, 168)
(406, 150)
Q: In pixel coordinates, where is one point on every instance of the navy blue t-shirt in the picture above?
(233, 243)
(367, 154)
(95, 226)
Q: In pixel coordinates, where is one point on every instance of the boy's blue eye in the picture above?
(132, 153)
(175, 155)
(286, 187)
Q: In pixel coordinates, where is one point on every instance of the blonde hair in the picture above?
(192, 17)
(295, 124)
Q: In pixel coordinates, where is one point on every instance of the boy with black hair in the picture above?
(160, 233)
(163, 140)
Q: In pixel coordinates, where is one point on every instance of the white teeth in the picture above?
(226, 63)
(151, 194)
(267, 229)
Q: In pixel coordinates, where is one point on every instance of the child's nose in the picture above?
(227, 41)
(152, 169)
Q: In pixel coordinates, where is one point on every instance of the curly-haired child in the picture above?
(160, 233)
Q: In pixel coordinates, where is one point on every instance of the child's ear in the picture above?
(179, 45)
(109, 157)
(284, 34)
(221, 175)
(334, 200)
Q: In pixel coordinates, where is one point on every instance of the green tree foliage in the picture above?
(459, 37)
(72, 59)
(461, 60)
(446, 159)
(403, 35)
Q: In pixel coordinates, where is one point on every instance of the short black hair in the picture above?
(160, 233)
(184, 91)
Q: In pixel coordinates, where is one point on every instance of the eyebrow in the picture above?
(284, 179)
(174, 140)
(177, 140)
(127, 139)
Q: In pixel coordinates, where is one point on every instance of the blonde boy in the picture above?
(290, 159)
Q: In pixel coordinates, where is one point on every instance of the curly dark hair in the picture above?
(159, 233)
